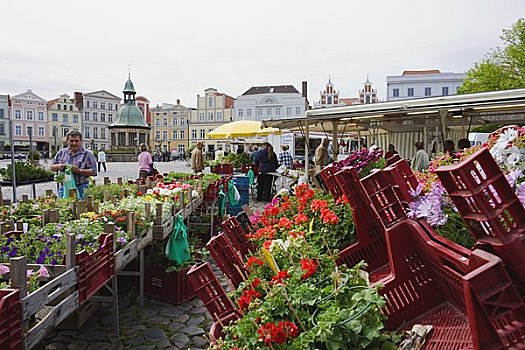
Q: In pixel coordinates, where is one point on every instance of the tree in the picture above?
(502, 68)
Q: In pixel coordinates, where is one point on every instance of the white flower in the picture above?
(508, 135)
(194, 194)
(283, 192)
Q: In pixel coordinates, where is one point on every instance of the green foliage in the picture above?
(26, 172)
(490, 128)
(455, 229)
(502, 68)
(237, 159)
(33, 155)
(114, 189)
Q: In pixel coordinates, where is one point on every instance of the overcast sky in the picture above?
(179, 48)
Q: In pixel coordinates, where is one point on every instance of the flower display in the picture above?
(363, 160)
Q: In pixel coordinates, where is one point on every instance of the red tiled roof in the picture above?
(349, 100)
(417, 72)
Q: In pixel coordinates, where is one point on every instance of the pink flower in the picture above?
(42, 272)
(29, 273)
(4, 269)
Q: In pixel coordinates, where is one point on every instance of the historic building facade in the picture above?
(63, 115)
(99, 111)
(329, 97)
(170, 127)
(4, 121)
(29, 116)
(367, 94)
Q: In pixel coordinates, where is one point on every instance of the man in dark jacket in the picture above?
(266, 159)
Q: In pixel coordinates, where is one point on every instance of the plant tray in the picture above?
(160, 232)
(10, 320)
(172, 287)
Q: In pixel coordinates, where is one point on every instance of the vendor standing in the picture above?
(83, 162)
(321, 155)
(197, 158)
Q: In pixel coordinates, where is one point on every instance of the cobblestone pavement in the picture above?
(157, 325)
(128, 170)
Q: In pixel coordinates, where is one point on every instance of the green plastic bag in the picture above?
(251, 177)
(68, 183)
(233, 193)
(178, 248)
(222, 200)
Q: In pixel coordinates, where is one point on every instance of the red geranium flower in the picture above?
(274, 211)
(252, 260)
(309, 266)
(329, 217)
(285, 223)
(248, 295)
(267, 244)
(318, 204)
(301, 219)
(279, 278)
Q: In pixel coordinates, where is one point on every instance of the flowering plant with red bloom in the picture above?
(285, 223)
(309, 266)
(301, 219)
(329, 217)
(318, 204)
(280, 277)
(277, 333)
(247, 297)
(252, 260)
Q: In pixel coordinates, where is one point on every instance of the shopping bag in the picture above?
(222, 201)
(153, 171)
(68, 183)
(233, 193)
(251, 177)
(178, 248)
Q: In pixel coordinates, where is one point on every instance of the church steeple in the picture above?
(129, 90)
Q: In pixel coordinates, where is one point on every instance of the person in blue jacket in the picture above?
(266, 159)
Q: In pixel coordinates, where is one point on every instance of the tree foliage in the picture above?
(502, 68)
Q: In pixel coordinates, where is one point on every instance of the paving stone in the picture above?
(90, 334)
(176, 326)
(198, 311)
(55, 346)
(171, 311)
(138, 327)
(164, 344)
(147, 313)
(129, 333)
(106, 320)
(185, 306)
(144, 347)
(78, 345)
(136, 340)
(199, 342)
(179, 340)
(117, 346)
(99, 346)
(181, 318)
(159, 320)
(159, 302)
(193, 330)
(196, 302)
(66, 339)
(196, 320)
(155, 335)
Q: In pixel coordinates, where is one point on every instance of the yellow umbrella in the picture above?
(241, 128)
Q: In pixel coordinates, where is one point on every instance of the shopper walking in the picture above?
(145, 162)
(197, 159)
(420, 161)
(267, 161)
(101, 158)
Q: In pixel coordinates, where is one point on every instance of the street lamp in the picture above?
(55, 134)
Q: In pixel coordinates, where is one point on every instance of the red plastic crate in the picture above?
(217, 326)
(327, 174)
(10, 320)
(212, 192)
(246, 167)
(237, 237)
(466, 296)
(227, 259)
(393, 159)
(245, 223)
(222, 169)
(370, 244)
(489, 207)
(172, 287)
(95, 269)
(210, 291)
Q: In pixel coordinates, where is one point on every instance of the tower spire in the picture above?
(129, 71)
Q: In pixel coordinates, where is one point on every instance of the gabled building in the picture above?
(170, 127)
(4, 121)
(99, 111)
(367, 94)
(29, 115)
(265, 102)
(329, 97)
(423, 83)
(63, 116)
(213, 109)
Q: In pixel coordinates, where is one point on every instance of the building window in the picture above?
(395, 92)
(95, 104)
(40, 116)
(110, 118)
(54, 117)
(87, 103)
(18, 130)
(249, 112)
(219, 116)
(95, 116)
(2, 130)
(194, 134)
(103, 117)
(41, 131)
(29, 130)
(259, 112)
(203, 133)
(181, 148)
(288, 110)
(164, 121)
(157, 122)
(103, 133)
(182, 121)
(444, 90)
(278, 111)
(210, 116)
(1, 113)
(165, 134)
(428, 91)
(210, 101)
(102, 105)
(201, 116)
(268, 112)
(241, 112)
(175, 121)
(18, 114)
(410, 92)
(29, 115)
(75, 118)
(95, 133)
(174, 134)
(297, 110)
(182, 134)
(65, 119)
(86, 116)
(65, 131)
(157, 135)
(110, 106)
(86, 132)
